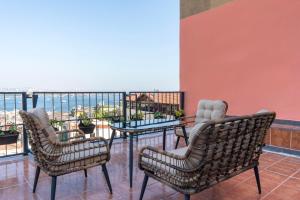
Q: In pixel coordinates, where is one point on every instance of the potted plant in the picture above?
(72, 113)
(56, 124)
(9, 136)
(179, 113)
(159, 115)
(85, 123)
(103, 113)
(137, 116)
(117, 119)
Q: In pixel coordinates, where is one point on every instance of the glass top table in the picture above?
(142, 125)
(134, 128)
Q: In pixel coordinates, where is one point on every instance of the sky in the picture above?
(95, 45)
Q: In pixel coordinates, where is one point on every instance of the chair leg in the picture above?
(53, 187)
(187, 197)
(125, 135)
(257, 179)
(177, 142)
(106, 177)
(36, 178)
(144, 186)
(85, 173)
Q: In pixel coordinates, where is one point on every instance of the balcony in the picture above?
(280, 174)
(243, 53)
(102, 108)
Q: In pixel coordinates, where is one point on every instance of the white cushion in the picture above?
(42, 120)
(194, 131)
(179, 132)
(210, 110)
(180, 151)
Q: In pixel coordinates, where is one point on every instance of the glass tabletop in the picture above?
(147, 124)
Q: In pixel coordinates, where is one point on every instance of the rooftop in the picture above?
(280, 179)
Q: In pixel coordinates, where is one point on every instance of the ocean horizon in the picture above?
(60, 103)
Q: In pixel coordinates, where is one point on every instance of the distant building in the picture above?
(166, 103)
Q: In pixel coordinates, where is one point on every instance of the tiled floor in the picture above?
(280, 179)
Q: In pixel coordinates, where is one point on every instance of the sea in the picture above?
(61, 102)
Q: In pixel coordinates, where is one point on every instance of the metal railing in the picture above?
(154, 105)
(10, 121)
(66, 109)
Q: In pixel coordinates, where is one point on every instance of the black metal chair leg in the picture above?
(106, 177)
(257, 179)
(144, 186)
(36, 178)
(125, 135)
(112, 138)
(53, 187)
(137, 138)
(177, 142)
(185, 135)
(187, 197)
(130, 159)
(164, 139)
(85, 173)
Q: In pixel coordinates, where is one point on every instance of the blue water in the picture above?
(60, 103)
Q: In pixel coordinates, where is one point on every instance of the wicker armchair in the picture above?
(57, 158)
(218, 151)
(206, 110)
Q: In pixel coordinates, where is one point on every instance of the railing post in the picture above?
(129, 95)
(124, 107)
(182, 100)
(34, 100)
(25, 137)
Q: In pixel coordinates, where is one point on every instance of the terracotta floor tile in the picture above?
(284, 192)
(264, 163)
(244, 176)
(269, 181)
(72, 197)
(161, 189)
(293, 183)
(96, 195)
(20, 192)
(216, 192)
(297, 175)
(226, 185)
(271, 157)
(274, 197)
(12, 181)
(245, 192)
(177, 196)
(285, 167)
(17, 176)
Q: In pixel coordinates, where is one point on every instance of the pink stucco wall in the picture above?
(246, 52)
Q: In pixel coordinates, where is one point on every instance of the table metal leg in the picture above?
(130, 158)
(124, 135)
(137, 138)
(185, 135)
(112, 138)
(164, 139)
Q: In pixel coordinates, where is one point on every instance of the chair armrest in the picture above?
(167, 159)
(156, 156)
(70, 146)
(81, 134)
(188, 119)
(162, 152)
(68, 143)
(70, 131)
